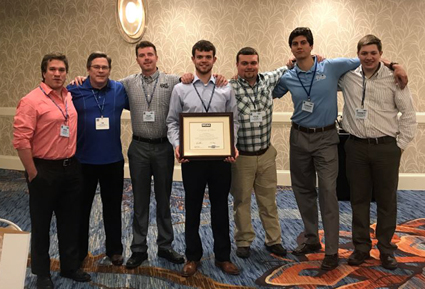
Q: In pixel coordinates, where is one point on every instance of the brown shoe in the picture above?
(190, 268)
(227, 267)
(117, 260)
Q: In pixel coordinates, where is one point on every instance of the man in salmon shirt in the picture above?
(45, 132)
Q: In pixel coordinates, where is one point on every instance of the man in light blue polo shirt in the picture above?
(314, 140)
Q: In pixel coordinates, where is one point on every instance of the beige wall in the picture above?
(31, 28)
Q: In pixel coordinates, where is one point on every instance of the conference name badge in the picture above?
(102, 123)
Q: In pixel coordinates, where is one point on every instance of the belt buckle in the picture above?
(66, 162)
(313, 129)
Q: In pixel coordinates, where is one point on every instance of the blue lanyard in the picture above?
(311, 84)
(209, 103)
(97, 101)
(255, 95)
(149, 101)
(65, 115)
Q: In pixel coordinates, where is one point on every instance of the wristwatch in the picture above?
(392, 65)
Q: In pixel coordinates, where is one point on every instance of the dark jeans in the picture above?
(196, 175)
(111, 180)
(55, 189)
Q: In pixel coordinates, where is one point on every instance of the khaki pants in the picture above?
(258, 173)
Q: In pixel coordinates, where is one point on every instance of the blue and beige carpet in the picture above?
(261, 270)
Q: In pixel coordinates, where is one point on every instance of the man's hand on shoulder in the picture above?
(78, 80)
(187, 78)
(220, 80)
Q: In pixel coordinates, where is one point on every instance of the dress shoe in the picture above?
(171, 256)
(330, 262)
(388, 261)
(44, 282)
(305, 248)
(276, 249)
(79, 275)
(358, 257)
(190, 268)
(227, 267)
(136, 260)
(117, 259)
(243, 252)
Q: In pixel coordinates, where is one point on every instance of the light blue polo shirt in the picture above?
(323, 92)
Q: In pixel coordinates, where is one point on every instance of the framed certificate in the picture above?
(206, 136)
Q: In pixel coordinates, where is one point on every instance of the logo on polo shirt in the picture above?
(164, 85)
(320, 76)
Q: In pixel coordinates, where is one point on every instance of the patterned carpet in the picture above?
(261, 270)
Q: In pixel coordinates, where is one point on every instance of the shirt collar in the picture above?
(48, 90)
(151, 77)
(87, 84)
(311, 70)
(245, 83)
(196, 79)
(377, 72)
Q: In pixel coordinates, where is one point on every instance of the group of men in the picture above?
(68, 140)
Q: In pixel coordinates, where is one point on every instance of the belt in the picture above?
(375, 140)
(56, 163)
(150, 140)
(257, 153)
(313, 129)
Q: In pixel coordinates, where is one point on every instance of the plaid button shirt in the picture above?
(255, 136)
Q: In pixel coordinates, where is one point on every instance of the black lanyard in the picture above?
(97, 101)
(311, 84)
(364, 84)
(65, 115)
(253, 92)
(203, 103)
(149, 101)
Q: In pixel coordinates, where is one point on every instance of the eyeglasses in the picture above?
(97, 67)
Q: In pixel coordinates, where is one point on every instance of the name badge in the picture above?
(256, 117)
(308, 106)
(361, 113)
(149, 116)
(64, 131)
(102, 123)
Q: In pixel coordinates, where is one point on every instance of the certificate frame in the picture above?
(206, 136)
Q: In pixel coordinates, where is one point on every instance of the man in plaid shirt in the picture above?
(256, 165)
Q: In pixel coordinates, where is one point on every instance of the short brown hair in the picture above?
(203, 45)
(98, 54)
(247, 51)
(53, 56)
(143, 44)
(369, 40)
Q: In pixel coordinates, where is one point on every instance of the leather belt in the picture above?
(257, 153)
(313, 129)
(56, 163)
(150, 140)
(375, 140)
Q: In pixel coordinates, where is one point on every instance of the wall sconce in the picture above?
(131, 19)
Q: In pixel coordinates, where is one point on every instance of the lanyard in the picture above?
(97, 101)
(364, 90)
(149, 101)
(209, 103)
(65, 115)
(311, 84)
(255, 96)
(364, 84)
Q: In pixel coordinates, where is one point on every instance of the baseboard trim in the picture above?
(406, 181)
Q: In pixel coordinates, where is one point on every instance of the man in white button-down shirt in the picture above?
(377, 140)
